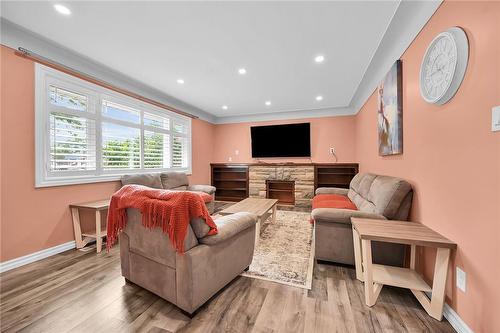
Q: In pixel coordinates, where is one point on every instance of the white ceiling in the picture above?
(205, 43)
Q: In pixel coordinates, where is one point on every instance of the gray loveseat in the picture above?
(208, 263)
(170, 181)
(187, 280)
(375, 196)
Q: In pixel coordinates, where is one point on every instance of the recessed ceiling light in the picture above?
(180, 81)
(62, 9)
(319, 98)
(268, 103)
(224, 107)
(319, 58)
(242, 71)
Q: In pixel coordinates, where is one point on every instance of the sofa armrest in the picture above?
(229, 226)
(202, 188)
(331, 190)
(335, 215)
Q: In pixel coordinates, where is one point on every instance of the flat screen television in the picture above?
(292, 140)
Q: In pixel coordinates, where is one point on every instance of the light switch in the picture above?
(495, 118)
(461, 279)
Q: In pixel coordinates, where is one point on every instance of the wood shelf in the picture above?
(399, 277)
(231, 181)
(282, 190)
(104, 232)
(334, 175)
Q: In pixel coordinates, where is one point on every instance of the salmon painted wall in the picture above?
(452, 158)
(337, 132)
(36, 219)
(202, 136)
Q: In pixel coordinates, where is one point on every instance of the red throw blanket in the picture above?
(170, 210)
(332, 201)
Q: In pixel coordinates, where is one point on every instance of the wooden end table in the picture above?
(401, 232)
(85, 238)
(263, 208)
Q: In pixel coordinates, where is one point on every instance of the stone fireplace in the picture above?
(301, 175)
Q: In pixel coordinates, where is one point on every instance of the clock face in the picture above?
(438, 67)
(444, 65)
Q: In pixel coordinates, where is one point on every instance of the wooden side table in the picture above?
(85, 238)
(401, 232)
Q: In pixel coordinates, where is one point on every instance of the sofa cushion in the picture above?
(174, 181)
(230, 225)
(146, 179)
(202, 188)
(387, 194)
(382, 195)
(334, 215)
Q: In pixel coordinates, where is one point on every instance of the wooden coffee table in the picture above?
(401, 232)
(263, 208)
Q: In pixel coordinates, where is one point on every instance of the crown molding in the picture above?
(286, 115)
(409, 19)
(15, 36)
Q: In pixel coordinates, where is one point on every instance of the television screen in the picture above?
(292, 140)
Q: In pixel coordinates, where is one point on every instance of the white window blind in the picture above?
(86, 133)
(72, 142)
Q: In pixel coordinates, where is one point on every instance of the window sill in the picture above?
(64, 181)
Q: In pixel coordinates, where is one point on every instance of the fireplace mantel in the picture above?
(236, 181)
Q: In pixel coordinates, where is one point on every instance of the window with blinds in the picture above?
(86, 133)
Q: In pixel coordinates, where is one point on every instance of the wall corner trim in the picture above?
(32, 257)
(454, 319)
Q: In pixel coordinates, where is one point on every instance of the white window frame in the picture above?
(46, 76)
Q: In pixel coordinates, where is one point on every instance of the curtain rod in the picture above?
(22, 52)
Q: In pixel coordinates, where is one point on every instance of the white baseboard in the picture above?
(27, 259)
(454, 319)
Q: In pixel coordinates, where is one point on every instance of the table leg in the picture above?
(357, 255)
(372, 290)
(274, 214)
(98, 231)
(257, 232)
(439, 283)
(77, 228)
(413, 256)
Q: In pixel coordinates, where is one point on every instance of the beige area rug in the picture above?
(285, 252)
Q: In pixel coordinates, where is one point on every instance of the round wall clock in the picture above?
(443, 66)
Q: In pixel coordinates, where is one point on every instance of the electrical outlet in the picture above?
(230, 159)
(332, 150)
(461, 279)
(495, 119)
(236, 152)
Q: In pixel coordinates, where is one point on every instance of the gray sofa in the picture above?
(375, 196)
(187, 280)
(170, 181)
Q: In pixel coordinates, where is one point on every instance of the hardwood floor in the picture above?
(84, 292)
